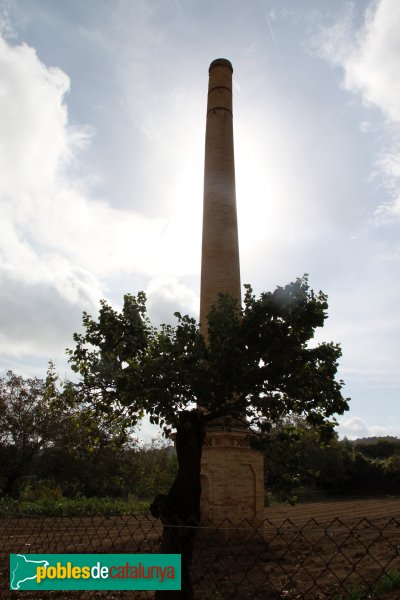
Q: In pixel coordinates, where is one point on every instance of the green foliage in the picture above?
(40, 491)
(257, 365)
(298, 465)
(380, 448)
(153, 468)
(110, 357)
(50, 436)
(385, 584)
(27, 424)
(54, 444)
(63, 507)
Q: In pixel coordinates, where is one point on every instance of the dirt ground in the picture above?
(307, 552)
(323, 512)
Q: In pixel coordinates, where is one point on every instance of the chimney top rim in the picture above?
(221, 62)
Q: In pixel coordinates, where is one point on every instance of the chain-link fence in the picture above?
(310, 561)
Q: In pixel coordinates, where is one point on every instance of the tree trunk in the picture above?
(179, 510)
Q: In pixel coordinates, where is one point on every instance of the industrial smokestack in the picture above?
(232, 473)
(220, 269)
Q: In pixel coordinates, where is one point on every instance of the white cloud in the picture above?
(33, 121)
(167, 295)
(373, 65)
(365, 127)
(38, 319)
(370, 59)
(6, 27)
(355, 428)
(58, 243)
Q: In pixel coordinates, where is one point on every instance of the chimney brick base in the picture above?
(232, 479)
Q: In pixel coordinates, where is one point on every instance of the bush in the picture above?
(63, 507)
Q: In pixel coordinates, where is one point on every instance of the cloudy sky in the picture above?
(102, 122)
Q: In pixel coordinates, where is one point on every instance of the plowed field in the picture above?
(324, 512)
(307, 552)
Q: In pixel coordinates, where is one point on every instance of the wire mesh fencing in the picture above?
(286, 560)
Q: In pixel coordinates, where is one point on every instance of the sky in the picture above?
(102, 124)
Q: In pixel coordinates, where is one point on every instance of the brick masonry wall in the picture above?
(232, 479)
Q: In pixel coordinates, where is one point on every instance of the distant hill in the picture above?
(367, 440)
(378, 447)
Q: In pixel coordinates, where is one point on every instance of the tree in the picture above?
(152, 467)
(88, 449)
(257, 366)
(297, 463)
(26, 427)
(48, 433)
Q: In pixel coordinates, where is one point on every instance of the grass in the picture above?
(63, 507)
(385, 584)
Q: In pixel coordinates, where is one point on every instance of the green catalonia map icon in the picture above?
(23, 569)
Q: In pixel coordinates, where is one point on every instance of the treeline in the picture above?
(53, 444)
(299, 467)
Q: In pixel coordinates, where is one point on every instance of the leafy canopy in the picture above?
(48, 433)
(257, 364)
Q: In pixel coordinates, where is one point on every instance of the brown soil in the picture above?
(342, 509)
(307, 552)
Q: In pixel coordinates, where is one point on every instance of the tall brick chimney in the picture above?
(220, 270)
(232, 473)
